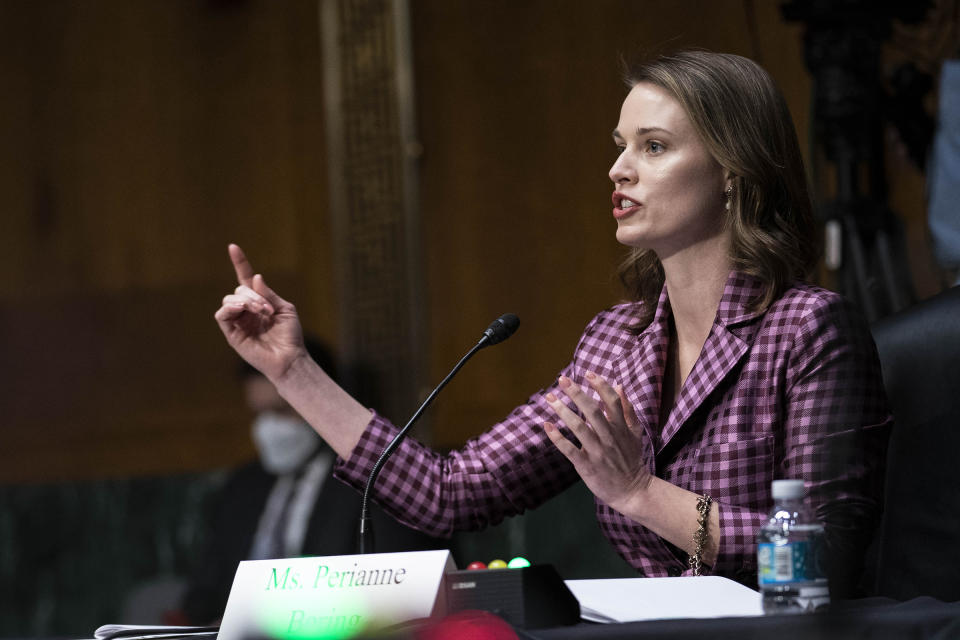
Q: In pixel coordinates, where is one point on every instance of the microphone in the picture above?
(498, 331)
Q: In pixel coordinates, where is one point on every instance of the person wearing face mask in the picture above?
(282, 504)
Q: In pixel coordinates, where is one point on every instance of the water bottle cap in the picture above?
(788, 489)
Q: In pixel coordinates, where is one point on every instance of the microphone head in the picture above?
(501, 329)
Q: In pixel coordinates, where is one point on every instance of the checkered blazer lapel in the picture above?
(643, 366)
(729, 341)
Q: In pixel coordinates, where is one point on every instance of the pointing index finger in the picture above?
(241, 265)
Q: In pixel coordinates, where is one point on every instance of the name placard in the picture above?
(333, 596)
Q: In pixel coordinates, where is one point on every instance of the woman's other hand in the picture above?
(262, 327)
(611, 458)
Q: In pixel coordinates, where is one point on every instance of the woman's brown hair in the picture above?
(745, 124)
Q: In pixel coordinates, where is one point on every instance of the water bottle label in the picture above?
(789, 562)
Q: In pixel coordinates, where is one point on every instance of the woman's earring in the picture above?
(729, 193)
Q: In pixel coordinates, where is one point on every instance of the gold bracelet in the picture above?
(700, 535)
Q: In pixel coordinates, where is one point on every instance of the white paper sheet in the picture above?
(634, 599)
(139, 632)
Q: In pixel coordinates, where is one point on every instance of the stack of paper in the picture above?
(634, 599)
(152, 632)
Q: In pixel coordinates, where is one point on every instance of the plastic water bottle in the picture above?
(791, 554)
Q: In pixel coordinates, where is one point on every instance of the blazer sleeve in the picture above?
(503, 472)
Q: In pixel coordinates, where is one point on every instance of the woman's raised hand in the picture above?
(611, 458)
(260, 325)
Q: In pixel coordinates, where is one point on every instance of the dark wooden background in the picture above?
(139, 138)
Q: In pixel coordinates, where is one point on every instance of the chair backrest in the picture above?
(919, 542)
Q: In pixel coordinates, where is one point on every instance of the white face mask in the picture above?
(283, 441)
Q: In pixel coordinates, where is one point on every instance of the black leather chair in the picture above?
(919, 540)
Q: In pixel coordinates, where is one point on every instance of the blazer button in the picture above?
(674, 572)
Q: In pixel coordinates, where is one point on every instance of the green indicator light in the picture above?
(518, 563)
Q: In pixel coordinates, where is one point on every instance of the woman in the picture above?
(722, 373)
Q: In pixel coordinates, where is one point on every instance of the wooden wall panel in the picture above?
(139, 139)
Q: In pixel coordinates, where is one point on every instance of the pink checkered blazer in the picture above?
(794, 392)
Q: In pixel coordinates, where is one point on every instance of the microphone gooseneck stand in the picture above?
(498, 331)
